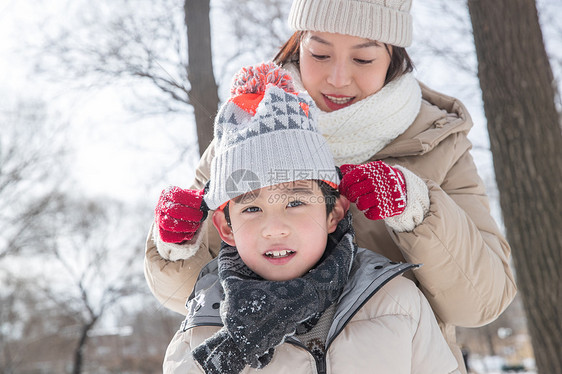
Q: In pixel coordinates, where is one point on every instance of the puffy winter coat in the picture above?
(382, 324)
(465, 275)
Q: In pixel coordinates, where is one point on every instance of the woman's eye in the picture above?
(363, 62)
(251, 209)
(295, 203)
(319, 57)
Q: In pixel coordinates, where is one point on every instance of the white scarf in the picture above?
(357, 132)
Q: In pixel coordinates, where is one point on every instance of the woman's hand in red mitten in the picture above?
(179, 214)
(379, 190)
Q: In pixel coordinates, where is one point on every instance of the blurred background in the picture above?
(97, 116)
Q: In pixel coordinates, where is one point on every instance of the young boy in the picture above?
(290, 292)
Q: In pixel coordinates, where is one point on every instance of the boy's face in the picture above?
(282, 233)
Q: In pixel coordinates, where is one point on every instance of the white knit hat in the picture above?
(266, 134)
(386, 21)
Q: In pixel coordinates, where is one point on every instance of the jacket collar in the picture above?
(370, 272)
(440, 116)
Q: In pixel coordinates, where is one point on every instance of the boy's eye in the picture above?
(295, 203)
(251, 209)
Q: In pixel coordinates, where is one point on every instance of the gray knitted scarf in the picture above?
(258, 314)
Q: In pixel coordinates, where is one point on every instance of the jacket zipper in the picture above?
(320, 363)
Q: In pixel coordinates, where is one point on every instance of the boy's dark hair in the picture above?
(400, 61)
(329, 193)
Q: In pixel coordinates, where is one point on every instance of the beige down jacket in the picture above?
(465, 275)
(382, 324)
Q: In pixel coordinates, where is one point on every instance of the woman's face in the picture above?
(338, 70)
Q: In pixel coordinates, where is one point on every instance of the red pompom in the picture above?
(255, 79)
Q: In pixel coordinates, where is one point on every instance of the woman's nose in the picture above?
(339, 75)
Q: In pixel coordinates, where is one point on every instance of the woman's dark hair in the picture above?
(329, 193)
(400, 61)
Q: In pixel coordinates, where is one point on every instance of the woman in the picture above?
(350, 57)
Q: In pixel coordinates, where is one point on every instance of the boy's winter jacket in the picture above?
(382, 324)
(465, 275)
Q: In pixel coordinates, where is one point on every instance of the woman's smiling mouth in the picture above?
(335, 102)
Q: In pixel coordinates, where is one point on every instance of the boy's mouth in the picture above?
(279, 254)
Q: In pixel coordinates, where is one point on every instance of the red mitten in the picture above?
(179, 214)
(378, 189)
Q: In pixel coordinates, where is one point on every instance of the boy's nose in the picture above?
(339, 75)
(274, 227)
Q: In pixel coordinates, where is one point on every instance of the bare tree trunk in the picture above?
(519, 100)
(203, 94)
(81, 345)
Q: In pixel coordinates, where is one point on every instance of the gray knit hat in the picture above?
(386, 21)
(266, 134)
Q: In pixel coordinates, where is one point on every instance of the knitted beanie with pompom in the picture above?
(266, 134)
